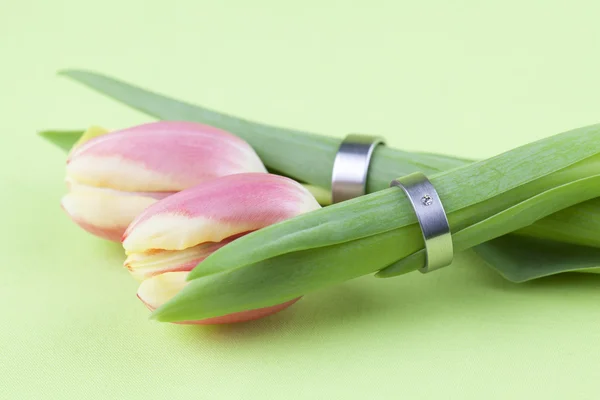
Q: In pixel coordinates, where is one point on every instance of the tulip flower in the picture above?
(113, 177)
(174, 235)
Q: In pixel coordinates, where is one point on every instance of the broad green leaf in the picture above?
(509, 220)
(494, 197)
(211, 295)
(288, 276)
(304, 156)
(509, 178)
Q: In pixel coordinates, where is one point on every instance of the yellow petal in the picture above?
(161, 288)
(104, 212)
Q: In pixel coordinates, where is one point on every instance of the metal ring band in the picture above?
(349, 176)
(432, 218)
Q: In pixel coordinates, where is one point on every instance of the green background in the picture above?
(468, 78)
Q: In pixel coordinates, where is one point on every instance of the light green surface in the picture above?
(454, 77)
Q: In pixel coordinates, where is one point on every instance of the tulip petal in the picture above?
(174, 235)
(154, 262)
(105, 212)
(216, 210)
(157, 290)
(160, 156)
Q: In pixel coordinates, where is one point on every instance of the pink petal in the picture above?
(105, 212)
(217, 209)
(161, 156)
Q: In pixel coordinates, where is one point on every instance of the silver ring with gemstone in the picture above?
(351, 166)
(432, 218)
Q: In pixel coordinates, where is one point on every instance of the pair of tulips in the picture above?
(173, 193)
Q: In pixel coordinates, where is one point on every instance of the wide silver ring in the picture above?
(351, 166)
(432, 218)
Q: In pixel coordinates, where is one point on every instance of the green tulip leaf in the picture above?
(484, 201)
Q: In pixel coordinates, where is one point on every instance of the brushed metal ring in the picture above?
(351, 166)
(432, 218)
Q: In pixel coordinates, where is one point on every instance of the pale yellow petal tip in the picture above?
(161, 231)
(171, 231)
(92, 132)
(321, 195)
(157, 290)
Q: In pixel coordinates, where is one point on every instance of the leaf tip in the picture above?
(73, 73)
(194, 274)
(166, 312)
(153, 316)
(158, 315)
(66, 72)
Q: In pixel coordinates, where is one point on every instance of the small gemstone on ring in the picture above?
(427, 200)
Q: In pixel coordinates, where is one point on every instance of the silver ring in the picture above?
(432, 218)
(351, 165)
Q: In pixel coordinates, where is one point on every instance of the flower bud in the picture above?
(113, 177)
(174, 235)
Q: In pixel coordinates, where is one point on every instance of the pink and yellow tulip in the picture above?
(172, 236)
(113, 177)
